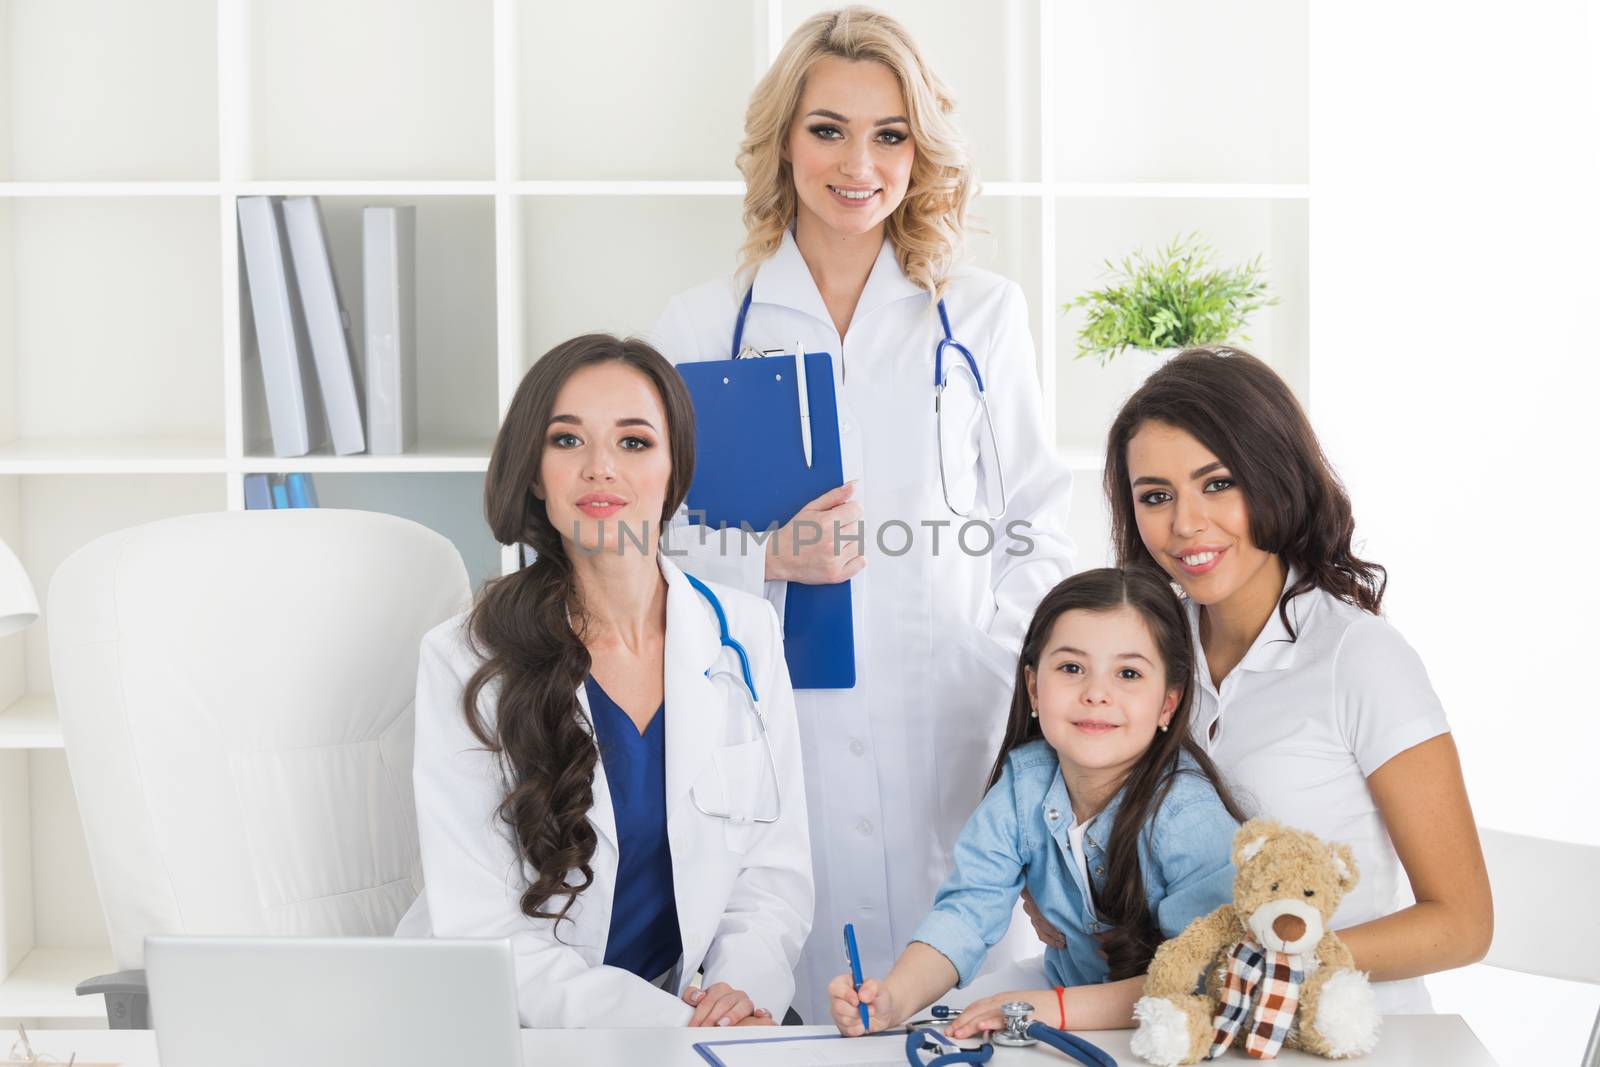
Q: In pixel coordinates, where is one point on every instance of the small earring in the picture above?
(1034, 714)
(1163, 727)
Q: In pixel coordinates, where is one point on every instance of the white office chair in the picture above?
(235, 692)
(1541, 924)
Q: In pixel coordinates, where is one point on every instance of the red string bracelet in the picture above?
(1061, 1002)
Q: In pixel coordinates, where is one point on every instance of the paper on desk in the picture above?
(885, 1050)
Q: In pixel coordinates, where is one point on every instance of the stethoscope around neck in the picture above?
(996, 491)
(728, 641)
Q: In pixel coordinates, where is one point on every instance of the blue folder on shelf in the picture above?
(750, 470)
(302, 493)
(257, 492)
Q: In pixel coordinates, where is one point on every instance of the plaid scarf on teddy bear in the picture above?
(1270, 981)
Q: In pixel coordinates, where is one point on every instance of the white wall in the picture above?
(320, 112)
(1454, 381)
(1165, 90)
(58, 75)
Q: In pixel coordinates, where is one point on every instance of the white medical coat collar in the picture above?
(1273, 649)
(693, 704)
(785, 280)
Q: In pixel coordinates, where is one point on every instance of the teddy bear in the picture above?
(1277, 974)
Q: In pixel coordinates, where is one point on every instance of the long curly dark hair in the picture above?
(1134, 935)
(521, 626)
(1240, 409)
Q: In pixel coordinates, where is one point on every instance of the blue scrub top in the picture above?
(644, 935)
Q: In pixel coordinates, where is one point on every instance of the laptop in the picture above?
(332, 1002)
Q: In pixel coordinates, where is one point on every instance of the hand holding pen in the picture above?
(861, 995)
(846, 1005)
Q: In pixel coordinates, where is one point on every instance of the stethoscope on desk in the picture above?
(1020, 1031)
(728, 641)
(941, 378)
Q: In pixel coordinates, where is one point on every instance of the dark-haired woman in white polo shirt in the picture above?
(1314, 708)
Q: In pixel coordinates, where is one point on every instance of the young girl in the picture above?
(1100, 804)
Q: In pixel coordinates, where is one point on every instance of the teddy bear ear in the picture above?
(1344, 862)
(1251, 838)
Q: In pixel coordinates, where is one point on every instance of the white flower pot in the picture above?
(1129, 369)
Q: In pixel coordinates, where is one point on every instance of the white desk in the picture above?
(1408, 1041)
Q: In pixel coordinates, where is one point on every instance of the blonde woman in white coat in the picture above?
(857, 190)
(607, 761)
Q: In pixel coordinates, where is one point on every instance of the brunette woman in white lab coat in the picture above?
(592, 779)
(857, 192)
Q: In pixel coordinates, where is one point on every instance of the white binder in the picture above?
(388, 256)
(325, 322)
(294, 403)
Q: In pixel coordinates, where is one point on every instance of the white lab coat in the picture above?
(743, 890)
(896, 765)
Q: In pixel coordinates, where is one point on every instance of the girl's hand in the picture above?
(1052, 937)
(984, 1015)
(720, 1005)
(759, 1017)
(843, 1002)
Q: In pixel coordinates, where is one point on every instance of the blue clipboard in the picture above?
(750, 470)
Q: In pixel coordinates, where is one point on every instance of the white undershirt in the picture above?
(1075, 835)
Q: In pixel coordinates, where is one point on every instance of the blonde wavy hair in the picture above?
(928, 228)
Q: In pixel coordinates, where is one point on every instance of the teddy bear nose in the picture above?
(1289, 927)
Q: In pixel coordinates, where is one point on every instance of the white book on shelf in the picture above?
(325, 322)
(389, 285)
(294, 402)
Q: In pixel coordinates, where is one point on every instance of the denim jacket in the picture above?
(1018, 838)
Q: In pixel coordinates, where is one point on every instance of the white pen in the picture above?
(804, 397)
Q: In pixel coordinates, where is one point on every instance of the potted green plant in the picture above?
(1172, 300)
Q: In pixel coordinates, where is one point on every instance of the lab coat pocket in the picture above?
(996, 662)
(736, 790)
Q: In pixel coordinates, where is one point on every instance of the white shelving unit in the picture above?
(572, 167)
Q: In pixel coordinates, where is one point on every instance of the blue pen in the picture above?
(855, 971)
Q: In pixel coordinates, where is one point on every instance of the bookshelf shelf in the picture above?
(550, 202)
(1180, 191)
(435, 457)
(365, 188)
(106, 190)
(122, 455)
(622, 187)
(134, 456)
(628, 188)
(30, 723)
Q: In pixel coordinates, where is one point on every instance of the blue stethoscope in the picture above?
(941, 378)
(728, 641)
(1020, 1031)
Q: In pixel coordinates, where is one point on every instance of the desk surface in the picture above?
(1408, 1041)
